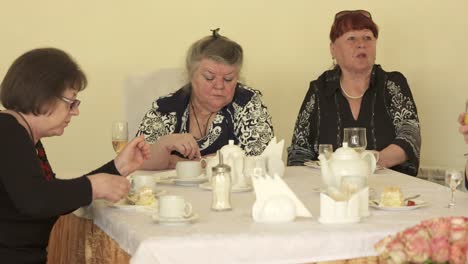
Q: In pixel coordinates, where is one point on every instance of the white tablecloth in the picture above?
(233, 236)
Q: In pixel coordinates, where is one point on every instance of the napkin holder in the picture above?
(344, 211)
(275, 201)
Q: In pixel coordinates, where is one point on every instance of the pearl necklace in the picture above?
(350, 96)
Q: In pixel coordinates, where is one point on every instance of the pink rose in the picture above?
(439, 227)
(396, 250)
(457, 254)
(458, 235)
(381, 246)
(440, 248)
(418, 249)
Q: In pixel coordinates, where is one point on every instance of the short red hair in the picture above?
(354, 20)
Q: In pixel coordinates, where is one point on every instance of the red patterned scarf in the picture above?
(41, 155)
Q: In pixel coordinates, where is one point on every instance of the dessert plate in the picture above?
(125, 204)
(174, 221)
(235, 189)
(418, 204)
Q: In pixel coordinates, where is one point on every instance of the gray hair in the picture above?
(217, 48)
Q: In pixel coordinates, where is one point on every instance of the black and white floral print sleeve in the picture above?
(302, 146)
(253, 125)
(403, 112)
(156, 124)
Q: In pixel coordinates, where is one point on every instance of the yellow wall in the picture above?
(285, 43)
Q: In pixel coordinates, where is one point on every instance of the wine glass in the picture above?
(119, 135)
(355, 137)
(453, 178)
(326, 150)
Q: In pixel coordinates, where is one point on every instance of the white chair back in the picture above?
(141, 90)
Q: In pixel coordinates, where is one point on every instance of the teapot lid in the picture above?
(230, 148)
(346, 153)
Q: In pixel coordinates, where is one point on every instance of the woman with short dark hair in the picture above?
(39, 92)
(358, 93)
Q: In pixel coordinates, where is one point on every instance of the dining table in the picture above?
(234, 237)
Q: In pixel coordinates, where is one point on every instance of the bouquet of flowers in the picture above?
(439, 240)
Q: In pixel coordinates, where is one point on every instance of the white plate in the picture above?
(316, 165)
(418, 204)
(124, 204)
(159, 192)
(190, 181)
(235, 189)
(175, 221)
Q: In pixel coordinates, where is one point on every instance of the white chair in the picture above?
(141, 90)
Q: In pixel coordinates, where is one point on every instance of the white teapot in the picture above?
(345, 161)
(233, 156)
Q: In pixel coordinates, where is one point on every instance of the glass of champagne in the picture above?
(119, 135)
(355, 137)
(453, 178)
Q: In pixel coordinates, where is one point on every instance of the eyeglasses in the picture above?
(347, 12)
(74, 104)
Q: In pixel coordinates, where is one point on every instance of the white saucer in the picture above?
(418, 204)
(235, 189)
(175, 221)
(316, 165)
(190, 181)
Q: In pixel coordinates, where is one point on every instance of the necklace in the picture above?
(198, 124)
(29, 127)
(350, 96)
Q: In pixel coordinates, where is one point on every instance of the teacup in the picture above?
(174, 206)
(140, 181)
(210, 162)
(188, 169)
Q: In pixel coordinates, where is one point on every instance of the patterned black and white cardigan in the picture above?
(245, 120)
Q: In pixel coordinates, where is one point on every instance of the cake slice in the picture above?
(392, 197)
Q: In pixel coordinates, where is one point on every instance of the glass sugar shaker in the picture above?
(221, 186)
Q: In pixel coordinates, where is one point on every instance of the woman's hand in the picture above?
(391, 156)
(185, 144)
(463, 129)
(109, 187)
(132, 156)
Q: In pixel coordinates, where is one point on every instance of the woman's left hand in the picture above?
(132, 156)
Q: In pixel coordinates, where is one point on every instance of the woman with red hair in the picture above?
(358, 93)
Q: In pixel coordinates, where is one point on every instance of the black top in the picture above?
(245, 120)
(388, 113)
(30, 199)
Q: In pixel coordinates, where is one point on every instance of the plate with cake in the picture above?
(392, 199)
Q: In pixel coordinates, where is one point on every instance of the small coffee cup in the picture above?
(140, 181)
(188, 169)
(174, 206)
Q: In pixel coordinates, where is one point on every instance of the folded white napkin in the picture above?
(268, 187)
(273, 155)
(274, 149)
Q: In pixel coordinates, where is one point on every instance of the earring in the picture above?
(333, 61)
